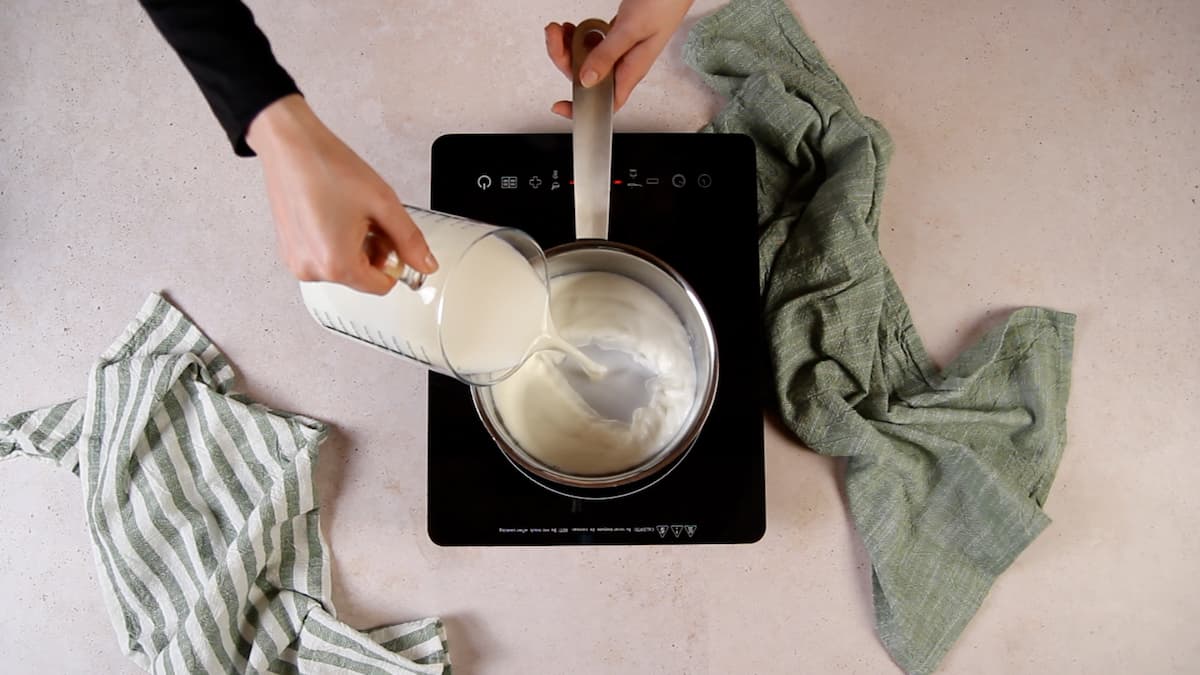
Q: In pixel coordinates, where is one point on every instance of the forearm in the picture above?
(227, 55)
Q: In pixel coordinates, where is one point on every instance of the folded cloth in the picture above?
(946, 471)
(203, 515)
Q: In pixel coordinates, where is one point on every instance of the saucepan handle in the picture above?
(591, 137)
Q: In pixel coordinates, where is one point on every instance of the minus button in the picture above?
(651, 181)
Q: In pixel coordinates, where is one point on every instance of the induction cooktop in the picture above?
(688, 199)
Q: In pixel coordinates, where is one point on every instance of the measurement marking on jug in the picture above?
(382, 337)
(396, 346)
(337, 325)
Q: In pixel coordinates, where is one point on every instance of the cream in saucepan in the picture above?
(588, 427)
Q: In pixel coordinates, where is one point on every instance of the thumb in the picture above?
(405, 236)
(600, 62)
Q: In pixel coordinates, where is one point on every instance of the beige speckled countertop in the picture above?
(1046, 153)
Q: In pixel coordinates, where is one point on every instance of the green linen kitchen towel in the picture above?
(203, 515)
(946, 470)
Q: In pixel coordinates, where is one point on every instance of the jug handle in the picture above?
(382, 254)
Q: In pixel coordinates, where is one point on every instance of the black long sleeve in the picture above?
(227, 55)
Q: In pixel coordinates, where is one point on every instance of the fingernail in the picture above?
(431, 262)
(589, 77)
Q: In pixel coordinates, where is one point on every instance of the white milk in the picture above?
(493, 306)
(556, 420)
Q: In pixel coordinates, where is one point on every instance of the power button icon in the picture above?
(484, 182)
(704, 180)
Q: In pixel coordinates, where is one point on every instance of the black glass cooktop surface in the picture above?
(688, 199)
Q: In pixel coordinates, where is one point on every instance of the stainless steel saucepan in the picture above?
(592, 252)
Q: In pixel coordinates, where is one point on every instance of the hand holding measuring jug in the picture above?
(477, 318)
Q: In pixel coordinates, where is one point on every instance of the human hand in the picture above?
(326, 199)
(640, 31)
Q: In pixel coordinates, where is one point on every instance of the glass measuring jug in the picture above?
(477, 319)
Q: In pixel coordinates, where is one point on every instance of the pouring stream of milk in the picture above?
(496, 313)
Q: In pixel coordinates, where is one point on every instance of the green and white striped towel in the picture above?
(203, 515)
